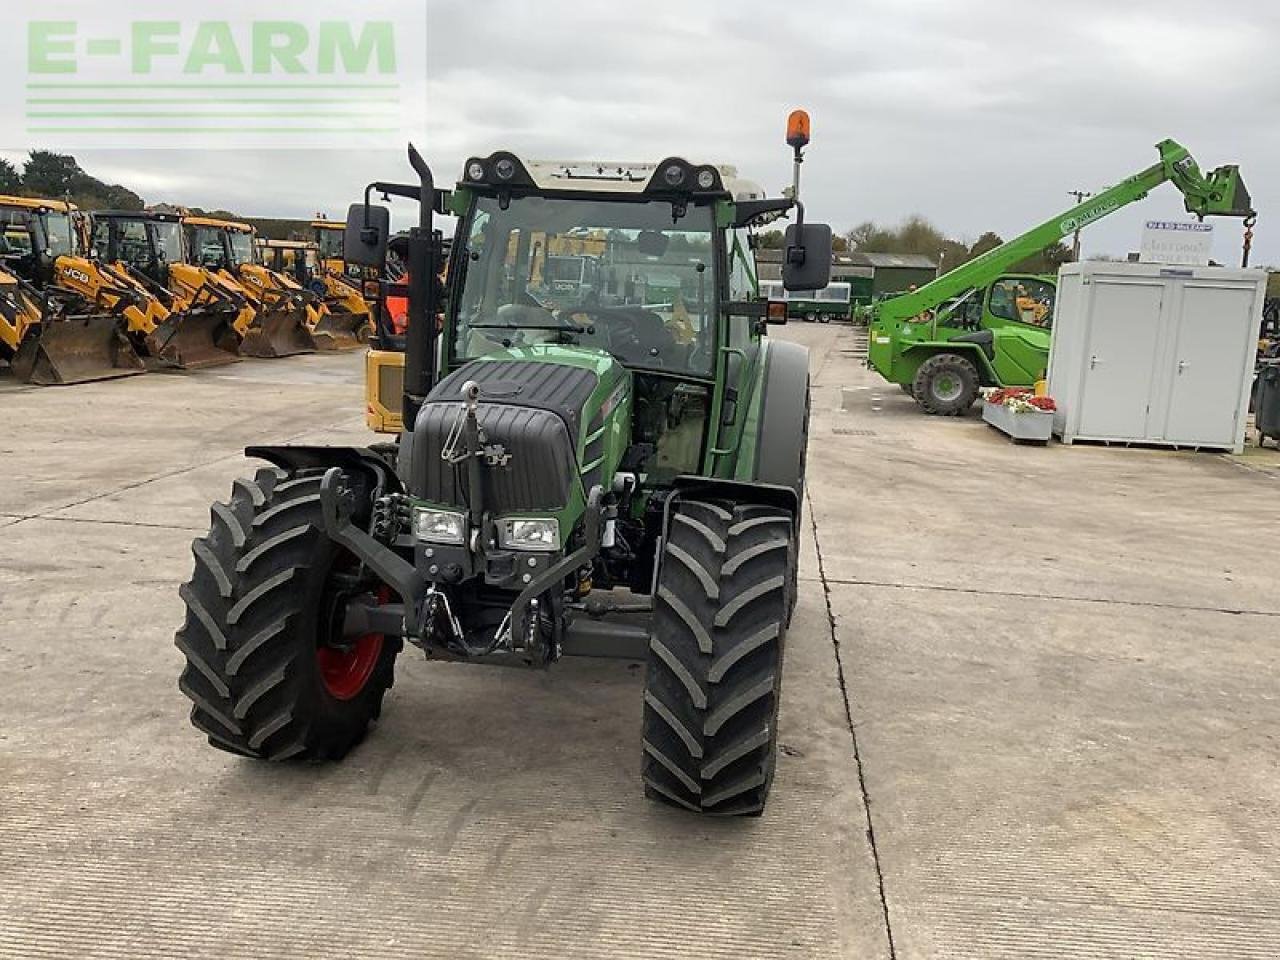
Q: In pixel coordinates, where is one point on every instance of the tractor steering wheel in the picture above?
(633, 333)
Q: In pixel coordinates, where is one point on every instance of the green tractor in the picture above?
(608, 477)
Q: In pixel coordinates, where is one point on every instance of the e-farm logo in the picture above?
(308, 74)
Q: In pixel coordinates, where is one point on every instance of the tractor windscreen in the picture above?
(60, 237)
(241, 247)
(207, 247)
(168, 237)
(615, 275)
(330, 243)
(17, 224)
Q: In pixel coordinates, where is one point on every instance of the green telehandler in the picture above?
(586, 471)
(977, 326)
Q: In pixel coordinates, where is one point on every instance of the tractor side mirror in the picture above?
(807, 264)
(368, 231)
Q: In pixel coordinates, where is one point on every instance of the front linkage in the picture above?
(425, 616)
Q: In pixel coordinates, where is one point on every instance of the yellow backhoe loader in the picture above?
(346, 321)
(65, 321)
(21, 313)
(286, 312)
(211, 316)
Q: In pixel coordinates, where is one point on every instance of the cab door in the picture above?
(739, 346)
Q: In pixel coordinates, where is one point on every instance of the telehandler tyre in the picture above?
(715, 657)
(266, 670)
(946, 385)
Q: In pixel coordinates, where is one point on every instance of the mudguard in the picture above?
(784, 417)
(379, 471)
(739, 491)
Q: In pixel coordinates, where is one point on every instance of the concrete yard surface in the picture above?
(1030, 710)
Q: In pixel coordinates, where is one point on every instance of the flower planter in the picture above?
(1031, 425)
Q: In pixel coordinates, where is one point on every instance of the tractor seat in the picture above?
(985, 339)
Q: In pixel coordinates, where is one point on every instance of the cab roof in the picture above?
(219, 224)
(157, 215)
(38, 203)
(673, 178)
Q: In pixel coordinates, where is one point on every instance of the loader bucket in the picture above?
(341, 331)
(278, 333)
(76, 350)
(195, 339)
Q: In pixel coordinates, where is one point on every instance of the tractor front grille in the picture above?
(539, 475)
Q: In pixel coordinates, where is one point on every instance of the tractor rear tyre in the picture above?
(946, 385)
(268, 671)
(715, 657)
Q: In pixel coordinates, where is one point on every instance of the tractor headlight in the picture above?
(505, 168)
(440, 526)
(529, 534)
(475, 170)
(706, 179)
(674, 175)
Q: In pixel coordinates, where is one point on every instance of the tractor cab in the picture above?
(294, 258)
(35, 234)
(219, 244)
(328, 237)
(1024, 300)
(150, 243)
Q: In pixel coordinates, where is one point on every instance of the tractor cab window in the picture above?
(60, 237)
(742, 268)
(615, 275)
(207, 247)
(1023, 300)
(17, 249)
(330, 244)
(241, 247)
(132, 245)
(168, 241)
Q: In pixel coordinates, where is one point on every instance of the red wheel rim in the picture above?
(345, 672)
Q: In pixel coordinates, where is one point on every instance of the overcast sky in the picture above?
(979, 114)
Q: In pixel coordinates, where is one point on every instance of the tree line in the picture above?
(916, 234)
(59, 176)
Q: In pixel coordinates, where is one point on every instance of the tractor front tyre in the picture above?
(268, 670)
(715, 657)
(946, 385)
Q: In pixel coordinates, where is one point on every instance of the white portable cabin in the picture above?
(1151, 354)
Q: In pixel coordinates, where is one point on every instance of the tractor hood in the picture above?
(560, 416)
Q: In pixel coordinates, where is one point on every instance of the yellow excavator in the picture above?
(71, 317)
(286, 313)
(347, 321)
(148, 247)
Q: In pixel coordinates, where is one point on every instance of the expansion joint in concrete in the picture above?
(853, 735)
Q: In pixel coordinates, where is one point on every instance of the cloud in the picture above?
(979, 115)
